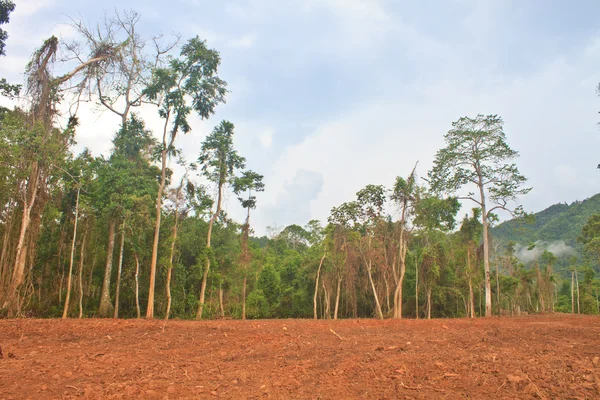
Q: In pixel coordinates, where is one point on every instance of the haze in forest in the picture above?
(334, 95)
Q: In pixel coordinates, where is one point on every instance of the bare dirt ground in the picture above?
(545, 357)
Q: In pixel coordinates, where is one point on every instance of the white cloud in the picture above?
(266, 138)
(244, 42)
(29, 7)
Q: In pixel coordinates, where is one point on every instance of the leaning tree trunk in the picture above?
(69, 278)
(317, 285)
(377, 304)
(119, 269)
(105, 305)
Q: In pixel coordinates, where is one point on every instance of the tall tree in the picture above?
(405, 195)
(478, 155)
(219, 161)
(186, 84)
(249, 182)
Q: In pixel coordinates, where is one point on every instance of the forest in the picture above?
(122, 235)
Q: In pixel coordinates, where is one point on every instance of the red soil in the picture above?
(546, 357)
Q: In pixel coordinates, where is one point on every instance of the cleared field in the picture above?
(545, 357)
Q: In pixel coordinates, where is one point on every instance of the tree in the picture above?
(405, 196)
(126, 183)
(249, 181)
(477, 154)
(219, 161)
(186, 84)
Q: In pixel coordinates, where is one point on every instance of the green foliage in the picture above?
(258, 305)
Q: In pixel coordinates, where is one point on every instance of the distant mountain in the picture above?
(560, 222)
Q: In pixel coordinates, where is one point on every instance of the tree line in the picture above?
(118, 236)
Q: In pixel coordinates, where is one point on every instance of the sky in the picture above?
(328, 96)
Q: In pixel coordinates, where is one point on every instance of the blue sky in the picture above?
(330, 95)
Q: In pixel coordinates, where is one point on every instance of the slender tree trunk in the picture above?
(207, 265)
(498, 286)
(69, 278)
(377, 305)
(171, 256)
(221, 308)
(429, 303)
(337, 297)
(89, 285)
(387, 293)
(317, 285)
(81, 259)
(577, 283)
(326, 300)
(486, 251)
(137, 286)
(417, 287)
(573, 292)
(105, 304)
(244, 297)
(119, 270)
(161, 188)
(471, 300)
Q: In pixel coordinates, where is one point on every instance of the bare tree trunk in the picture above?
(137, 285)
(577, 283)
(486, 251)
(170, 269)
(471, 300)
(573, 292)
(13, 303)
(498, 286)
(89, 285)
(387, 293)
(120, 268)
(337, 297)
(417, 286)
(68, 296)
(161, 188)
(429, 303)
(221, 308)
(81, 259)
(207, 265)
(377, 305)
(316, 286)
(327, 302)
(105, 304)
(244, 297)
